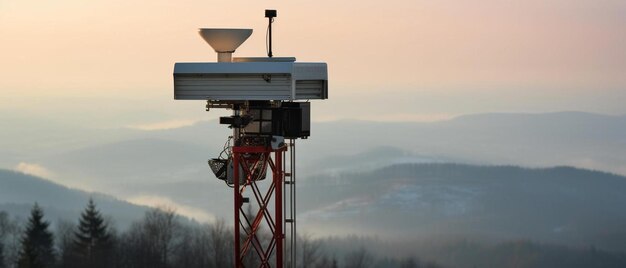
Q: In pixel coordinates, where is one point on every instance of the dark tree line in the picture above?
(159, 240)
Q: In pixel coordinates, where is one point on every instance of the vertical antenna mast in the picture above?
(270, 14)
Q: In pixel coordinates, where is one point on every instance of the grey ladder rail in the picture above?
(289, 206)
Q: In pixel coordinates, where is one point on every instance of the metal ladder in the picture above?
(289, 206)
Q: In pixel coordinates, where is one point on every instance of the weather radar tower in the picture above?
(269, 97)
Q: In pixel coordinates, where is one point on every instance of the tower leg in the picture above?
(237, 262)
(278, 207)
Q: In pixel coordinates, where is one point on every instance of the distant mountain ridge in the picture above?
(547, 115)
(18, 193)
(578, 139)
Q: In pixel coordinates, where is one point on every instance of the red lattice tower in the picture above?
(268, 214)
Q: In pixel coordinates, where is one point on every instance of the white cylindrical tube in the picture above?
(224, 57)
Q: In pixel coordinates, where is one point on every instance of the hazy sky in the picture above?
(110, 63)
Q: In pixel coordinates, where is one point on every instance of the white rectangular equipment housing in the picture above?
(237, 81)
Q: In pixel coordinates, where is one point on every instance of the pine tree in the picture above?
(92, 245)
(37, 243)
(2, 254)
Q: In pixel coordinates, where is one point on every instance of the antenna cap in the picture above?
(224, 40)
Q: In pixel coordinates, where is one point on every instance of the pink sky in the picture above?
(443, 57)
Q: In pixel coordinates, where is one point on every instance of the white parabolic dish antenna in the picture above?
(224, 41)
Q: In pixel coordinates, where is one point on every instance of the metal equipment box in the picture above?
(244, 81)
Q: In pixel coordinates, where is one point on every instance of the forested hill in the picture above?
(18, 193)
(561, 205)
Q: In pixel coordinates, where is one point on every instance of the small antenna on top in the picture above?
(270, 14)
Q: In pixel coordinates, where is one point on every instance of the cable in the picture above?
(226, 149)
(267, 37)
